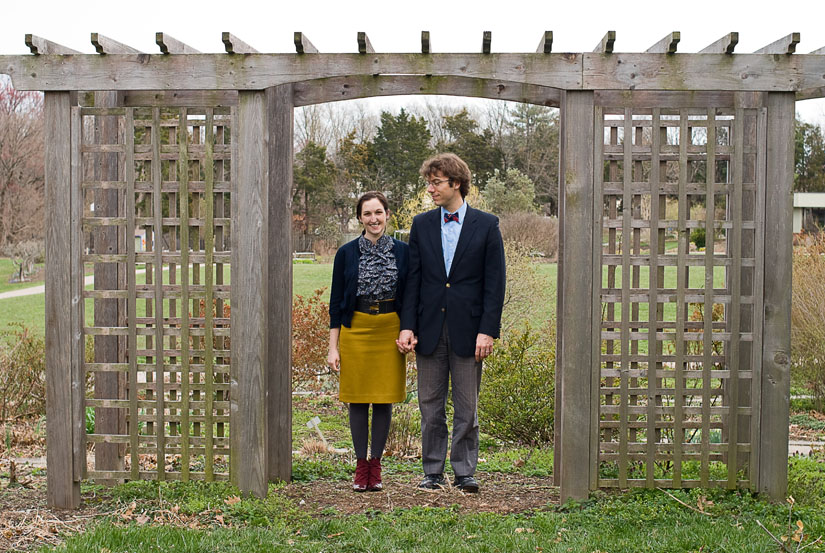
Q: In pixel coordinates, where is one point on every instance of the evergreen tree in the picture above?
(313, 179)
(401, 144)
(809, 174)
(473, 146)
(510, 192)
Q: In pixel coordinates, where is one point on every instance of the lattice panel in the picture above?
(166, 173)
(680, 325)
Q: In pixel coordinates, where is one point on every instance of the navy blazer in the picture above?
(345, 280)
(471, 297)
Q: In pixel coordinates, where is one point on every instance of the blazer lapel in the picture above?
(433, 230)
(467, 231)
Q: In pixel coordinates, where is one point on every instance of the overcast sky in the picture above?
(455, 26)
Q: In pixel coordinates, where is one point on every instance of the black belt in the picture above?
(375, 307)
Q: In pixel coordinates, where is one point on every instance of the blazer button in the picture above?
(443, 309)
(448, 285)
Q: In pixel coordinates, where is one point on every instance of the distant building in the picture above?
(808, 211)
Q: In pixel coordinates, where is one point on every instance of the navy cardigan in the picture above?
(345, 280)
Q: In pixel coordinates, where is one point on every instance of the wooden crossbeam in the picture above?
(425, 42)
(41, 46)
(546, 43)
(606, 45)
(169, 45)
(667, 45)
(724, 45)
(364, 44)
(303, 45)
(785, 45)
(486, 41)
(105, 45)
(234, 45)
(818, 51)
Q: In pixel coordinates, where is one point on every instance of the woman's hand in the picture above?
(334, 360)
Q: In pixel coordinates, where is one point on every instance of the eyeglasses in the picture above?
(437, 182)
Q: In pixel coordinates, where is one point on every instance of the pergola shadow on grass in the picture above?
(192, 153)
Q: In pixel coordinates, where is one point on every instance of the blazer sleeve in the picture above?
(412, 288)
(495, 282)
(336, 294)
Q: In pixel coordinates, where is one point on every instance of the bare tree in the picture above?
(21, 165)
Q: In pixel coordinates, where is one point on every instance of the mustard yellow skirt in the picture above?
(372, 369)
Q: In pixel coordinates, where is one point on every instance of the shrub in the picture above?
(22, 372)
(697, 236)
(538, 234)
(518, 390)
(310, 340)
(807, 313)
(806, 480)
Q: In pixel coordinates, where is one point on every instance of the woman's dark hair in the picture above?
(452, 167)
(373, 195)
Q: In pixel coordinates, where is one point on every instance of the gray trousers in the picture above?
(434, 375)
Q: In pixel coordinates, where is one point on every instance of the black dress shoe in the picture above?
(466, 484)
(432, 482)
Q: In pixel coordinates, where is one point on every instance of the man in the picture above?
(450, 316)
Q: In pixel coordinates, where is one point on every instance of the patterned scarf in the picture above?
(377, 272)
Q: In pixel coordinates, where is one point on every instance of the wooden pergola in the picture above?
(194, 152)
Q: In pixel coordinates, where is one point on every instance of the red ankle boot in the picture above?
(375, 484)
(362, 476)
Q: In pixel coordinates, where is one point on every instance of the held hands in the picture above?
(406, 341)
(484, 346)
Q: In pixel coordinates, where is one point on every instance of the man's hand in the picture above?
(484, 346)
(406, 341)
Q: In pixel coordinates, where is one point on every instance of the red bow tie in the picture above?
(451, 217)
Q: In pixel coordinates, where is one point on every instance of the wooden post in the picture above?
(107, 384)
(776, 337)
(63, 485)
(575, 337)
(249, 295)
(279, 336)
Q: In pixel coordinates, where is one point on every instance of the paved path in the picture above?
(42, 288)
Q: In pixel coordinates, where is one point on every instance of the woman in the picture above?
(368, 280)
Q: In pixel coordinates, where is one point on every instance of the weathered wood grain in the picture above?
(776, 341)
(576, 340)
(546, 43)
(63, 490)
(106, 45)
(41, 46)
(606, 44)
(364, 44)
(303, 45)
(171, 45)
(76, 269)
(741, 72)
(667, 45)
(234, 45)
(724, 45)
(250, 294)
(279, 257)
(349, 88)
(785, 45)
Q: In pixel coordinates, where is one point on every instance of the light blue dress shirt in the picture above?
(450, 233)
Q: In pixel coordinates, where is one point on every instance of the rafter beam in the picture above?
(546, 43)
(486, 41)
(170, 45)
(234, 45)
(785, 45)
(667, 45)
(724, 45)
(606, 45)
(819, 51)
(105, 45)
(364, 44)
(568, 71)
(41, 46)
(303, 45)
(425, 42)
